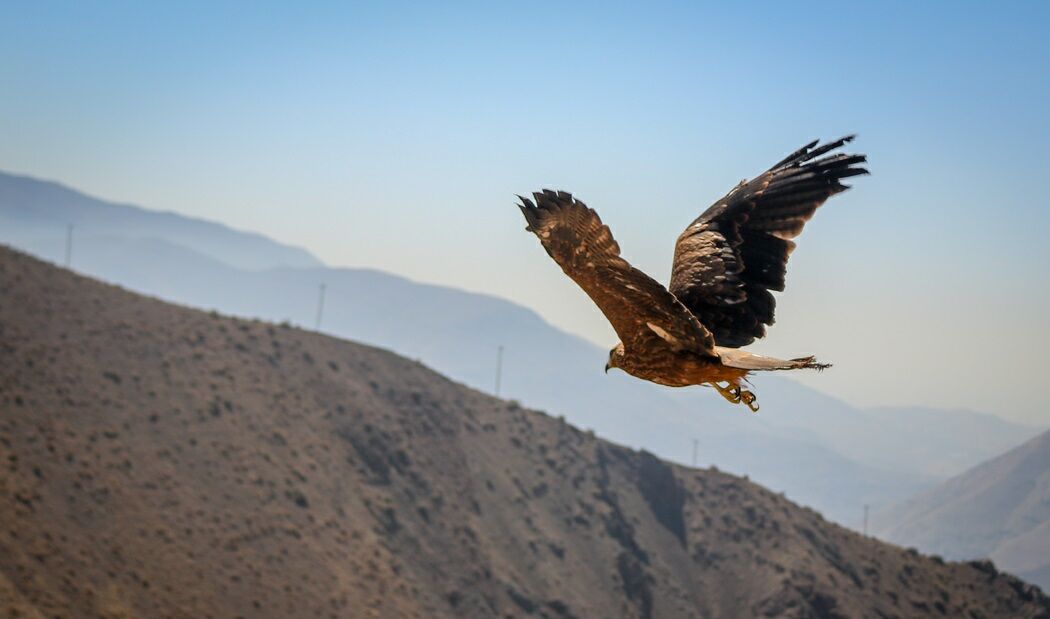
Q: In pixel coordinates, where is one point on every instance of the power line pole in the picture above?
(320, 308)
(696, 447)
(499, 366)
(69, 245)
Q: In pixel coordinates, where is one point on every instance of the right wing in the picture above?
(641, 310)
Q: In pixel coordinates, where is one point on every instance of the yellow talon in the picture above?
(735, 395)
(749, 400)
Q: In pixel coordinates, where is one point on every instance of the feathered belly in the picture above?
(683, 371)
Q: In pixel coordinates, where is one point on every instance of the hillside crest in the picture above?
(158, 460)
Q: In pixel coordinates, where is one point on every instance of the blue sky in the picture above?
(394, 135)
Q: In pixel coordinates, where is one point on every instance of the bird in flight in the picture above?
(725, 265)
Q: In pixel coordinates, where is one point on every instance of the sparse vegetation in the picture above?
(173, 462)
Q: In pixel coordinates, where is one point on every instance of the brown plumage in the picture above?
(725, 265)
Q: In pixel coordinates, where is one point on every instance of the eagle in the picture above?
(726, 263)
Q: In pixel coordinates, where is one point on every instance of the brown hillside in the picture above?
(161, 462)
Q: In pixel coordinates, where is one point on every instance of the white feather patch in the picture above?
(664, 335)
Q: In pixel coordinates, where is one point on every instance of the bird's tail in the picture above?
(743, 360)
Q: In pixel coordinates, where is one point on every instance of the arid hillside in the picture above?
(157, 461)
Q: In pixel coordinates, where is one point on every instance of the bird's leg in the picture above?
(729, 392)
(735, 395)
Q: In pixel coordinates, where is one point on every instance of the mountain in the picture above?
(161, 461)
(999, 509)
(458, 332)
(35, 212)
(817, 449)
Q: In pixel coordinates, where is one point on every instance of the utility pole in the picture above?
(865, 520)
(696, 447)
(499, 366)
(320, 308)
(69, 245)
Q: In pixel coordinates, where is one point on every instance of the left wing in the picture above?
(640, 310)
(729, 258)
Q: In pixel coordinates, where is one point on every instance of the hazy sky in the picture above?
(395, 135)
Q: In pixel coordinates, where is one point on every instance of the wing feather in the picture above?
(641, 311)
(729, 259)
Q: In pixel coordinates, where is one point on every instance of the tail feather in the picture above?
(743, 360)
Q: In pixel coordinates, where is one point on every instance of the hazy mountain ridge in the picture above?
(819, 450)
(998, 509)
(160, 461)
(38, 212)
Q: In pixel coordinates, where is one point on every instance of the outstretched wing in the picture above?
(641, 310)
(730, 258)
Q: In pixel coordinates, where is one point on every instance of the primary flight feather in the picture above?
(726, 262)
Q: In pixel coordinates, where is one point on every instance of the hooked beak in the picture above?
(607, 366)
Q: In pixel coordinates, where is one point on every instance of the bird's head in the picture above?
(614, 357)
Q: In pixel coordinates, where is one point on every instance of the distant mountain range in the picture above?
(34, 210)
(998, 509)
(818, 450)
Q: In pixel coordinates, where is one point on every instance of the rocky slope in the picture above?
(157, 461)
